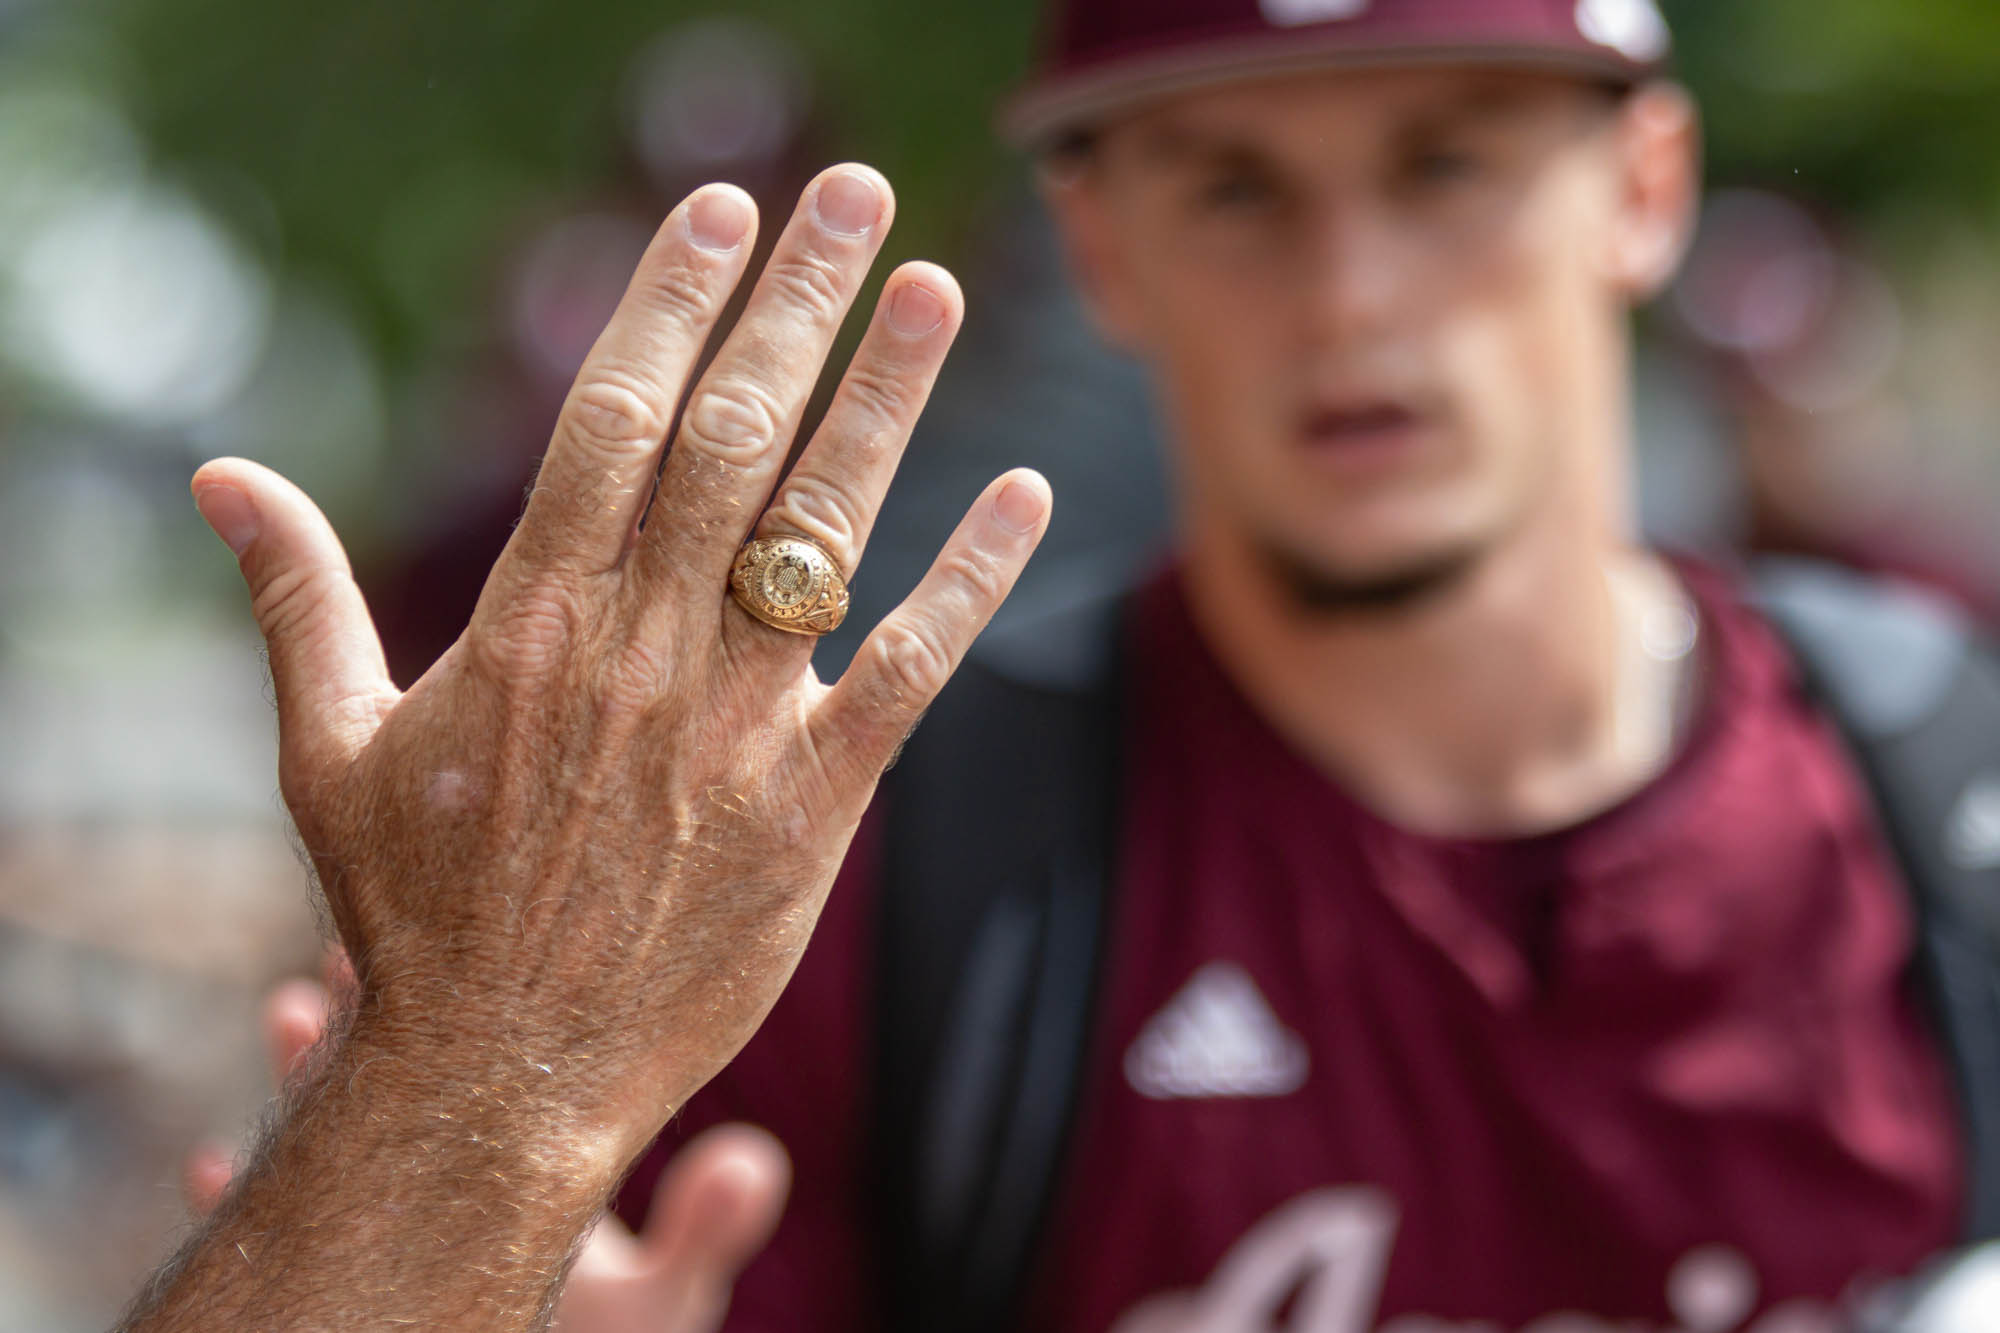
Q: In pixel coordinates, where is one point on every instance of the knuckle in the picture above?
(628, 687)
(615, 412)
(288, 601)
(676, 291)
(526, 639)
(915, 661)
(819, 787)
(979, 575)
(814, 507)
(878, 392)
(736, 419)
(809, 281)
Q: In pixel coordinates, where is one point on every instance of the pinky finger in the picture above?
(908, 658)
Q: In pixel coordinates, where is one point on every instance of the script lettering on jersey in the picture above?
(1316, 1266)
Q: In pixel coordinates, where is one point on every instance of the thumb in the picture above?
(713, 1211)
(718, 1202)
(327, 668)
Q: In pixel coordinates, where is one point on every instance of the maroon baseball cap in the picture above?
(1104, 55)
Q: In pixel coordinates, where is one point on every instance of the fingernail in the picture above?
(1018, 507)
(230, 513)
(718, 221)
(915, 309)
(848, 203)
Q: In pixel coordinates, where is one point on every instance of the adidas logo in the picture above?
(1216, 1038)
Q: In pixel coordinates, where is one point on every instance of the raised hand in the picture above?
(615, 764)
(577, 861)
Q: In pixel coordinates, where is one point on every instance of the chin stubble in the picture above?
(1314, 590)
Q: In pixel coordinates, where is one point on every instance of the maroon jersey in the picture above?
(1660, 1070)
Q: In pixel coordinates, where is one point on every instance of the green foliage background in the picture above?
(395, 139)
(1873, 107)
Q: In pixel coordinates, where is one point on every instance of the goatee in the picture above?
(1318, 591)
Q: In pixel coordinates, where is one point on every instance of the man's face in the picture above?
(1386, 310)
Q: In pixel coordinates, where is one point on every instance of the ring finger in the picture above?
(834, 491)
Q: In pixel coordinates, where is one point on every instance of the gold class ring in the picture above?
(790, 584)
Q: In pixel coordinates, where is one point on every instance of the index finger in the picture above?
(599, 468)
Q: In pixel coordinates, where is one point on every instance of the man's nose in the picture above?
(1357, 271)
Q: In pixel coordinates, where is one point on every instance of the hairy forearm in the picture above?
(390, 1194)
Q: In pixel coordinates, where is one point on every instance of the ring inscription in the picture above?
(789, 583)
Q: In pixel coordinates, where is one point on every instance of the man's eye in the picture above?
(1442, 166)
(1233, 192)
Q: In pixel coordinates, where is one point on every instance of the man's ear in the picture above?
(1075, 193)
(1659, 148)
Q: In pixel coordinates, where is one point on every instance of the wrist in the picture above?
(403, 1184)
(455, 1096)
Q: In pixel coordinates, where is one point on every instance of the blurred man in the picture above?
(1495, 935)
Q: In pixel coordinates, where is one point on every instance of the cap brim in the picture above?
(1040, 114)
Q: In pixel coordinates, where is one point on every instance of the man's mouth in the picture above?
(1364, 430)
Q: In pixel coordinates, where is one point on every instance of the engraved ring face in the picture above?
(790, 584)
